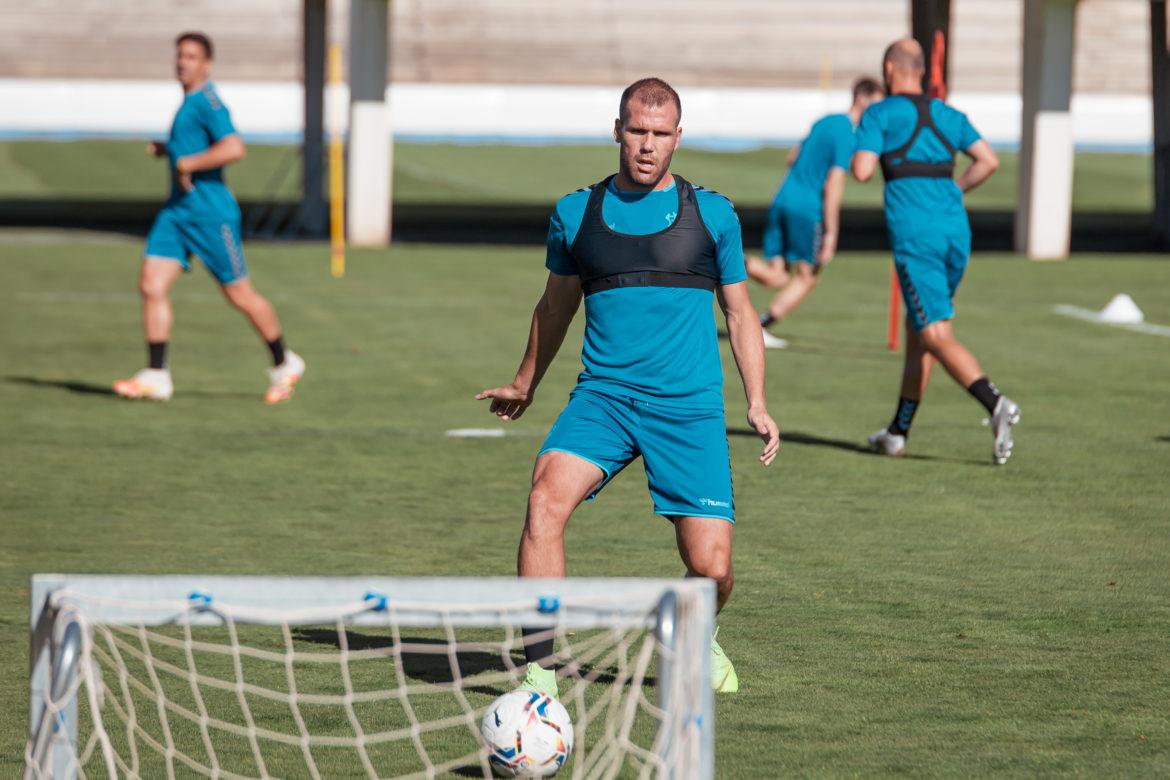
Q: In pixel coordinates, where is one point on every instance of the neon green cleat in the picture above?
(542, 680)
(723, 676)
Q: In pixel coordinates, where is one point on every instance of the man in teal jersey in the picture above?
(201, 217)
(800, 235)
(915, 138)
(649, 252)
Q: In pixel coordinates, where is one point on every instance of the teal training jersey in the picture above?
(656, 344)
(829, 145)
(201, 121)
(916, 205)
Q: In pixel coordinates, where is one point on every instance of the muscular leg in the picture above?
(917, 366)
(773, 274)
(704, 543)
(803, 278)
(154, 284)
(939, 340)
(242, 295)
(560, 482)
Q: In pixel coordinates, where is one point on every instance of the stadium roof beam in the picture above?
(369, 165)
(1160, 83)
(1044, 211)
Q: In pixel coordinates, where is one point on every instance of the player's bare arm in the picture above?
(793, 153)
(747, 345)
(550, 322)
(863, 165)
(157, 148)
(984, 162)
(223, 152)
(833, 192)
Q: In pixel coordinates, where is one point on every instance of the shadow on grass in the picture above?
(434, 665)
(1162, 438)
(89, 388)
(796, 437)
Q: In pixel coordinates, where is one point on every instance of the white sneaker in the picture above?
(1006, 414)
(888, 443)
(774, 342)
(283, 378)
(150, 383)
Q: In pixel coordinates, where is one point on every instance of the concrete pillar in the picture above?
(1044, 211)
(368, 197)
(312, 217)
(1160, 81)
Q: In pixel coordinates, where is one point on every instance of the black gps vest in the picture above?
(896, 166)
(681, 255)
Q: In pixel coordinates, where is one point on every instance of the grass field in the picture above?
(443, 173)
(929, 616)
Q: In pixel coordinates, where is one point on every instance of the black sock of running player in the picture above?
(985, 393)
(157, 351)
(900, 425)
(538, 650)
(766, 319)
(277, 349)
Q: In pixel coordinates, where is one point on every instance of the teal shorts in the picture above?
(930, 269)
(217, 244)
(792, 234)
(688, 463)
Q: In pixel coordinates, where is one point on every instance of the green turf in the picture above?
(930, 616)
(441, 173)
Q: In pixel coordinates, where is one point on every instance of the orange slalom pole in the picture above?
(893, 330)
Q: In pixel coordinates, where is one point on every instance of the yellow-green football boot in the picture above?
(723, 676)
(541, 680)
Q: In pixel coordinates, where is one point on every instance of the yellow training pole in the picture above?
(336, 173)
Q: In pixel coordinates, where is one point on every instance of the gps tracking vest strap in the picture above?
(680, 255)
(894, 162)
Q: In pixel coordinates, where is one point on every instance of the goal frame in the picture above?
(56, 634)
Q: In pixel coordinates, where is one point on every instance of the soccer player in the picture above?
(914, 138)
(649, 252)
(800, 236)
(200, 218)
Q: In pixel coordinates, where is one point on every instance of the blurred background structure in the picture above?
(752, 74)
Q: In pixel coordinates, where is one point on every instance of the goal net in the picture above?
(258, 677)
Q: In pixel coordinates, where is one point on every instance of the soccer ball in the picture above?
(527, 734)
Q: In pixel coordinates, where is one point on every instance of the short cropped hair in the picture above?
(200, 39)
(905, 55)
(651, 92)
(866, 87)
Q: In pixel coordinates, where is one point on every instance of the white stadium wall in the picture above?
(100, 67)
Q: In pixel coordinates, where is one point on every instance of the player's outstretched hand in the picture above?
(763, 424)
(509, 402)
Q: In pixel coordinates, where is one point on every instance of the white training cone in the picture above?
(1121, 311)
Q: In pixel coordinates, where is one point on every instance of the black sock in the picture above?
(985, 393)
(900, 426)
(537, 650)
(766, 319)
(277, 348)
(157, 350)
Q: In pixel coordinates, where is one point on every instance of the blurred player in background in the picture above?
(201, 217)
(800, 236)
(915, 138)
(649, 252)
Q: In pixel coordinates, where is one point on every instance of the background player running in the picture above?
(800, 235)
(649, 252)
(916, 138)
(201, 217)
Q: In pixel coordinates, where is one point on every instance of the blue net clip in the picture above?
(546, 605)
(199, 599)
(380, 600)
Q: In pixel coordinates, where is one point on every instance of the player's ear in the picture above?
(677, 136)
(617, 130)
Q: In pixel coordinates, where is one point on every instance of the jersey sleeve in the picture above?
(217, 119)
(844, 145)
(723, 224)
(965, 133)
(557, 257)
(872, 131)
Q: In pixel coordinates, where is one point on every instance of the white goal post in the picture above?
(245, 676)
